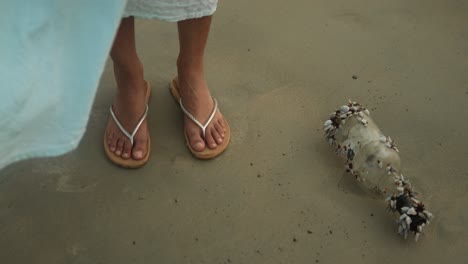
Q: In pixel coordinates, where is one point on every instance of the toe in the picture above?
(222, 124)
(109, 138)
(127, 149)
(140, 149)
(217, 137)
(195, 140)
(112, 143)
(119, 149)
(210, 140)
(219, 129)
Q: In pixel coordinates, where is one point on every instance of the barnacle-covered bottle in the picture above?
(373, 159)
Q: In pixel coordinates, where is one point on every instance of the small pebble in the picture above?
(355, 77)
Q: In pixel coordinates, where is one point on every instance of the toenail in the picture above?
(125, 155)
(112, 149)
(213, 145)
(138, 154)
(118, 152)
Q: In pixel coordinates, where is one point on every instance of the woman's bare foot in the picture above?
(129, 106)
(130, 103)
(196, 98)
(198, 101)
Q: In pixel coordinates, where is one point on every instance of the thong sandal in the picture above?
(130, 162)
(206, 153)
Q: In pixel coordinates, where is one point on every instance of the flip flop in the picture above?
(129, 163)
(206, 153)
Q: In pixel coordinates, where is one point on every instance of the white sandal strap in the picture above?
(128, 135)
(203, 127)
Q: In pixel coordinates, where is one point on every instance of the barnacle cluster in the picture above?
(352, 133)
(413, 214)
(389, 143)
(339, 117)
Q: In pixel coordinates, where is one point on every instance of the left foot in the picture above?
(197, 99)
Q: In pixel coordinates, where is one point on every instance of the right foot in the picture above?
(129, 106)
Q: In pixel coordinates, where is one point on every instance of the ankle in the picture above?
(129, 70)
(129, 78)
(190, 67)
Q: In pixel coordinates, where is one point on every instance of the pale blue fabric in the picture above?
(52, 54)
(170, 10)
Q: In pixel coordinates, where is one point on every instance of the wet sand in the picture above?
(279, 194)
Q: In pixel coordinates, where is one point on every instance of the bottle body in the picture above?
(373, 159)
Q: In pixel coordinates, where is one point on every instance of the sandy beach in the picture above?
(279, 194)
